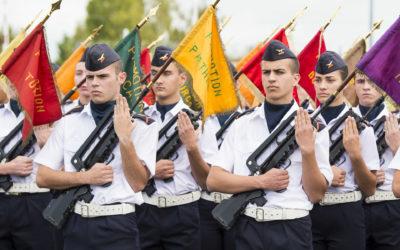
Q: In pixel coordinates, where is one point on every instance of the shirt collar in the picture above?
(260, 114)
(178, 107)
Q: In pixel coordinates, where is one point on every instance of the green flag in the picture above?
(129, 51)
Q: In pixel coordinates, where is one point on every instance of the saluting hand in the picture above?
(186, 131)
(164, 169)
(339, 176)
(351, 138)
(42, 133)
(99, 174)
(392, 133)
(123, 125)
(305, 135)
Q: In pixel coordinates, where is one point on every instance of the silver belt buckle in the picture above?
(217, 197)
(84, 206)
(259, 214)
(162, 201)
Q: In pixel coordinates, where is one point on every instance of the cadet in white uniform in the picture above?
(381, 209)
(109, 220)
(169, 217)
(22, 226)
(283, 222)
(338, 221)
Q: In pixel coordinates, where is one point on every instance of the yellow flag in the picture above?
(65, 74)
(201, 53)
(8, 51)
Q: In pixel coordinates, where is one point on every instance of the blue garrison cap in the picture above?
(161, 55)
(55, 66)
(100, 56)
(328, 62)
(276, 50)
(83, 58)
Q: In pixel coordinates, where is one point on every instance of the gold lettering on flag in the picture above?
(34, 84)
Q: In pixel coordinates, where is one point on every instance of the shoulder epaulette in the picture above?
(1, 106)
(247, 111)
(318, 125)
(147, 119)
(68, 102)
(76, 109)
(146, 108)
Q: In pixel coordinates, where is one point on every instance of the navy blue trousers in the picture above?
(213, 236)
(340, 226)
(117, 232)
(382, 220)
(22, 225)
(174, 228)
(275, 235)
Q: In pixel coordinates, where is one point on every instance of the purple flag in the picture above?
(382, 62)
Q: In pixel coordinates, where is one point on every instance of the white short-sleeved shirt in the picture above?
(8, 122)
(71, 132)
(70, 105)
(395, 163)
(369, 153)
(183, 180)
(247, 133)
(216, 126)
(387, 156)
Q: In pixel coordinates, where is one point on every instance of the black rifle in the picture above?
(336, 150)
(60, 207)
(171, 145)
(229, 210)
(224, 127)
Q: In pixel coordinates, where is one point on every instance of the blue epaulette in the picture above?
(1, 106)
(147, 119)
(76, 109)
(247, 111)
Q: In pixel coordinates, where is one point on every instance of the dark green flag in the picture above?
(129, 51)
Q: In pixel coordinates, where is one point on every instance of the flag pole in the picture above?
(330, 19)
(33, 20)
(376, 26)
(155, 78)
(300, 13)
(152, 12)
(54, 6)
(270, 35)
(91, 36)
(152, 44)
(224, 23)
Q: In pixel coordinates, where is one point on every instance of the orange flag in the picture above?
(65, 74)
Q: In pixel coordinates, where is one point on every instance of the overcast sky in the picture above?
(252, 20)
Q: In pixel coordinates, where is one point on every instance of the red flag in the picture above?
(29, 70)
(308, 58)
(252, 68)
(145, 64)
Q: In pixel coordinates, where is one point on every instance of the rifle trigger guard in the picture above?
(110, 159)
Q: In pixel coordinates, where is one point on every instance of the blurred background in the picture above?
(251, 21)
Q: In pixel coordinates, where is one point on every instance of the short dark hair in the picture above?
(119, 67)
(294, 65)
(343, 72)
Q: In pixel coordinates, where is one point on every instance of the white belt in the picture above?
(261, 214)
(381, 196)
(171, 200)
(214, 196)
(18, 188)
(337, 198)
(88, 210)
